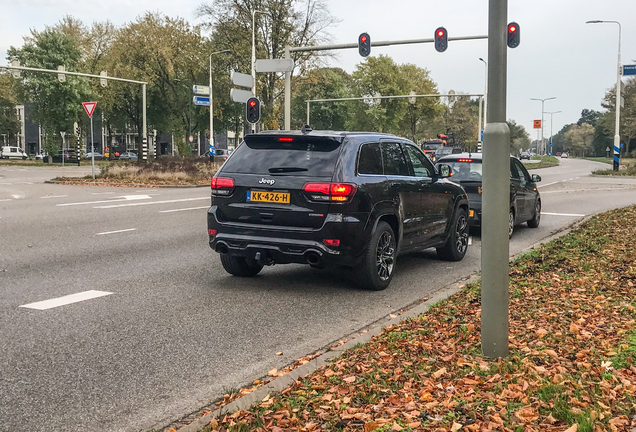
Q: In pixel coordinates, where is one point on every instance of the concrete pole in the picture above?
(479, 129)
(287, 93)
(144, 137)
(617, 135)
(307, 113)
(496, 192)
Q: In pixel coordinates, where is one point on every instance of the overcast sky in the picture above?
(559, 54)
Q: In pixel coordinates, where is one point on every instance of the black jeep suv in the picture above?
(332, 199)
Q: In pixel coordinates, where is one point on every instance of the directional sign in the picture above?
(89, 107)
(550, 144)
(212, 151)
(629, 69)
(537, 124)
(241, 79)
(240, 96)
(274, 65)
(201, 90)
(201, 100)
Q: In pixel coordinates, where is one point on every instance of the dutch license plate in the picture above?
(270, 197)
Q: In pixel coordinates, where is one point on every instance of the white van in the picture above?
(8, 152)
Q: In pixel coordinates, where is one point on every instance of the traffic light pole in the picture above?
(289, 50)
(496, 192)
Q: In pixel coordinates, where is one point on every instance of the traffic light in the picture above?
(364, 44)
(253, 114)
(441, 39)
(514, 35)
(78, 131)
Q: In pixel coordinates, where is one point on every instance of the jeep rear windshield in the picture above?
(285, 155)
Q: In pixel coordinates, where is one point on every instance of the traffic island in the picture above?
(544, 162)
(626, 169)
(571, 364)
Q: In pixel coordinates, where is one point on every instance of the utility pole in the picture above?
(496, 192)
(551, 114)
(254, 12)
(542, 103)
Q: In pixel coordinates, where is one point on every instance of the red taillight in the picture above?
(285, 139)
(465, 160)
(212, 232)
(338, 192)
(331, 242)
(222, 185)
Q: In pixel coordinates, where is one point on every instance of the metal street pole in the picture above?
(542, 102)
(551, 114)
(211, 143)
(485, 91)
(254, 12)
(617, 136)
(496, 192)
(93, 145)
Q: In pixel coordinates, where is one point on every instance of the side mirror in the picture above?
(445, 171)
(536, 178)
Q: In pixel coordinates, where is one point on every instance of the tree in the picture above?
(322, 83)
(460, 118)
(9, 124)
(578, 139)
(418, 121)
(559, 138)
(588, 116)
(284, 22)
(519, 137)
(56, 105)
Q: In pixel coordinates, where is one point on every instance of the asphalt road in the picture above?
(176, 330)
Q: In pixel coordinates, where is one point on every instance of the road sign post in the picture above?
(496, 192)
(89, 107)
(63, 145)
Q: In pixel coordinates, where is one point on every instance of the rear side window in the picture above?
(393, 158)
(370, 161)
(298, 155)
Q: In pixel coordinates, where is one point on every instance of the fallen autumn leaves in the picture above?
(571, 364)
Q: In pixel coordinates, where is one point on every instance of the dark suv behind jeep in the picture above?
(333, 199)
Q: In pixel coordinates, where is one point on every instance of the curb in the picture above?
(281, 383)
(613, 176)
(122, 184)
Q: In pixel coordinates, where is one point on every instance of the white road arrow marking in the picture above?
(61, 301)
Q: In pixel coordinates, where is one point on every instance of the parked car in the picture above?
(445, 151)
(97, 155)
(42, 156)
(69, 156)
(525, 155)
(333, 199)
(12, 152)
(129, 156)
(564, 155)
(558, 154)
(525, 201)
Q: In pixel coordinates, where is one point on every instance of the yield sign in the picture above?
(89, 107)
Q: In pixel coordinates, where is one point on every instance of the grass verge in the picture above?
(601, 159)
(162, 171)
(546, 162)
(628, 168)
(571, 363)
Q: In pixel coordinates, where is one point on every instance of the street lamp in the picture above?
(211, 105)
(617, 137)
(485, 92)
(254, 12)
(552, 113)
(542, 102)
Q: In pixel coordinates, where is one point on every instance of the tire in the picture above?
(24, 157)
(511, 223)
(378, 261)
(536, 219)
(457, 242)
(241, 267)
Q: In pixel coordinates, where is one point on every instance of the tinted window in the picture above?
(465, 171)
(421, 165)
(523, 173)
(514, 172)
(393, 158)
(302, 156)
(370, 161)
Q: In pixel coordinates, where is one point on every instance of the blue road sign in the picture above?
(201, 100)
(212, 151)
(549, 153)
(481, 136)
(629, 69)
(550, 144)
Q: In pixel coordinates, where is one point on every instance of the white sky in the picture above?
(559, 54)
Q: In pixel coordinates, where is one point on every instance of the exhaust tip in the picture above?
(222, 248)
(312, 258)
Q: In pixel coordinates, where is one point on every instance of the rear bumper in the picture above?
(285, 245)
(474, 213)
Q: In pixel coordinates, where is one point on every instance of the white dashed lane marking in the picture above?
(183, 209)
(562, 214)
(152, 202)
(54, 196)
(116, 199)
(118, 231)
(65, 300)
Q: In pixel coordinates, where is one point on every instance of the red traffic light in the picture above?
(514, 35)
(512, 29)
(252, 103)
(363, 38)
(440, 33)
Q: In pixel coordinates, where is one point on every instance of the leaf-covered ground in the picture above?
(571, 364)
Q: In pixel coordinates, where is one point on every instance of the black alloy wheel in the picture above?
(457, 243)
(378, 261)
(534, 222)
